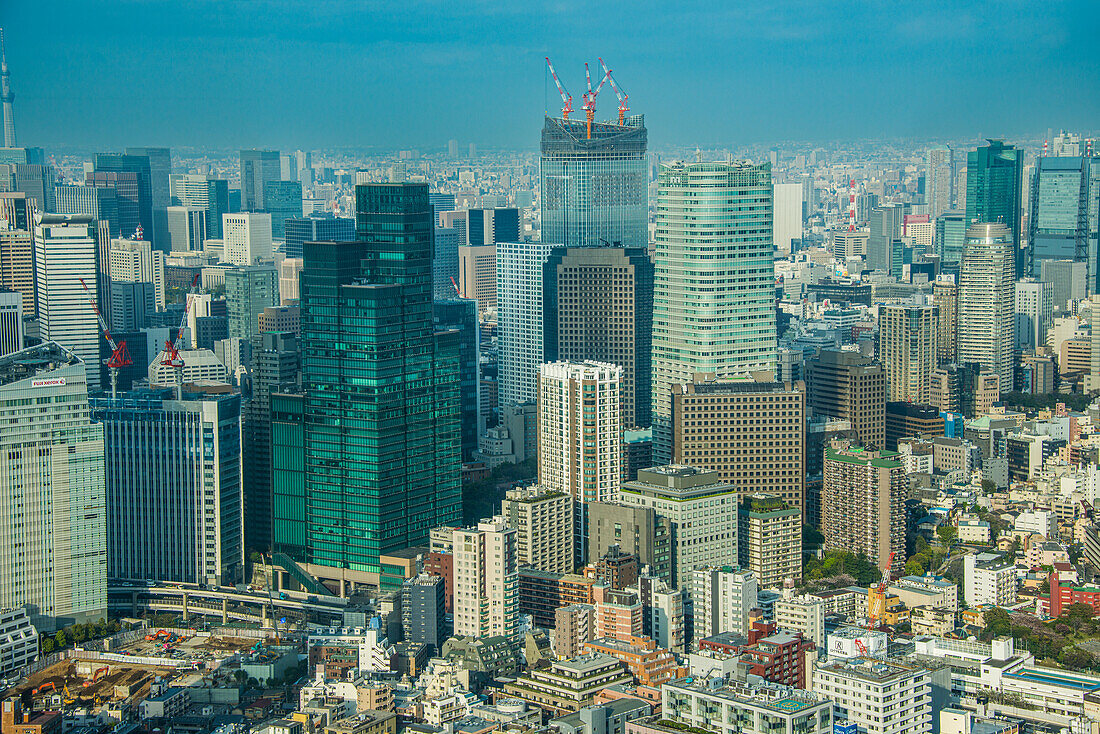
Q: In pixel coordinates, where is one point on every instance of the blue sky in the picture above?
(414, 74)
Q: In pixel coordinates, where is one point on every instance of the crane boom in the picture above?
(172, 356)
(120, 355)
(618, 93)
(566, 98)
(590, 98)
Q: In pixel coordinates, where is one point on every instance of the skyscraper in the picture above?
(201, 192)
(885, 251)
(1034, 313)
(850, 386)
(318, 226)
(594, 188)
(7, 97)
(160, 170)
(714, 280)
(863, 502)
(52, 489)
(186, 228)
(940, 179)
(950, 238)
(131, 176)
(1065, 214)
(460, 314)
(908, 346)
(986, 296)
(489, 226)
(247, 237)
(257, 168)
(283, 201)
(519, 295)
(64, 254)
(11, 322)
(173, 480)
(945, 296)
(137, 261)
(248, 291)
(994, 175)
(381, 467)
(486, 580)
(788, 216)
(99, 201)
(17, 248)
(599, 306)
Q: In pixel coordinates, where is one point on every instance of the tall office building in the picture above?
(380, 468)
(1068, 278)
(276, 368)
(131, 307)
(317, 227)
(137, 261)
(852, 387)
(173, 470)
(908, 344)
(986, 295)
(257, 168)
(36, 180)
(598, 305)
(11, 321)
(99, 201)
(477, 276)
(17, 248)
(490, 226)
(52, 488)
(863, 502)
(1034, 313)
(1065, 214)
(160, 169)
(64, 253)
(885, 250)
(580, 434)
(201, 192)
(714, 252)
(939, 180)
(486, 580)
(594, 188)
(445, 264)
(131, 177)
(787, 216)
(718, 426)
(186, 228)
(283, 201)
(460, 314)
(7, 97)
(945, 296)
(247, 237)
(519, 295)
(994, 177)
(248, 291)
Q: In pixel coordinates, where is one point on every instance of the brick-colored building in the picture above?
(542, 592)
(851, 386)
(649, 664)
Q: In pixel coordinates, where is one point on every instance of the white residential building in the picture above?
(739, 708)
(721, 600)
(1043, 522)
(486, 580)
(247, 238)
(989, 578)
(879, 697)
(519, 318)
(805, 614)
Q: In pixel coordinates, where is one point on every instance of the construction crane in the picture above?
(618, 93)
(458, 291)
(876, 597)
(120, 355)
(590, 98)
(172, 356)
(566, 97)
(270, 599)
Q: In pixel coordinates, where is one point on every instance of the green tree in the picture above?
(47, 645)
(913, 567)
(947, 535)
(60, 639)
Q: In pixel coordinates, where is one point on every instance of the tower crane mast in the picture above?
(172, 356)
(120, 355)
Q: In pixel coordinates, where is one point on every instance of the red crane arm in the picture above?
(566, 98)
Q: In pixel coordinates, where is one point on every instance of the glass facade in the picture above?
(714, 280)
(299, 230)
(381, 402)
(594, 189)
(950, 238)
(248, 291)
(1065, 211)
(994, 175)
(460, 314)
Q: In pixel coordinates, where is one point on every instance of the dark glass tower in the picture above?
(994, 175)
(381, 389)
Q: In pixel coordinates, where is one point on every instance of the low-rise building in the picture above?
(568, 685)
(18, 641)
(650, 665)
(608, 718)
(804, 614)
(877, 696)
(936, 621)
(989, 578)
(166, 703)
(365, 722)
(737, 708)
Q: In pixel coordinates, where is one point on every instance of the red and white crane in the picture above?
(566, 97)
(120, 355)
(618, 93)
(590, 98)
(172, 356)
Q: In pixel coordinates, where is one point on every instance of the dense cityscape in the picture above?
(607, 434)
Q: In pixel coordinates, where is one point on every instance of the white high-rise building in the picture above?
(987, 289)
(53, 543)
(788, 216)
(186, 228)
(1034, 312)
(64, 254)
(486, 580)
(11, 322)
(247, 238)
(721, 600)
(136, 261)
(805, 614)
(519, 318)
(938, 181)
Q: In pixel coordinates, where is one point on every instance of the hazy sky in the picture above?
(324, 73)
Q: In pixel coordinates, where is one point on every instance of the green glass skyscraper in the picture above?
(994, 175)
(381, 404)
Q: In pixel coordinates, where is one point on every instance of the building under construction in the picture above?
(594, 184)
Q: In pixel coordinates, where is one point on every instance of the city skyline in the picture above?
(730, 74)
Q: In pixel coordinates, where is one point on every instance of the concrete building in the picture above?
(986, 296)
(863, 502)
(136, 261)
(850, 386)
(717, 426)
(249, 291)
(722, 599)
(18, 641)
(911, 420)
(1034, 313)
(17, 247)
(247, 238)
(544, 525)
(257, 168)
(701, 511)
(739, 708)
(945, 297)
(54, 489)
(969, 389)
(173, 471)
(769, 539)
(728, 206)
(186, 228)
(599, 306)
(664, 619)
(908, 345)
(11, 322)
(477, 277)
(486, 580)
(65, 252)
(639, 531)
(568, 685)
(787, 208)
(989, 578)
(199, 366)
(607, 718)
(877, 696)
(805, 614)
(423, 612)
(520, 322)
